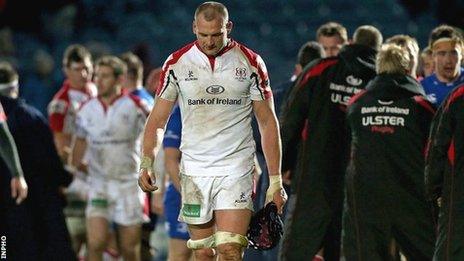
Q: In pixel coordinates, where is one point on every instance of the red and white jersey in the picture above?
(113, 135)
(2, 114)
(215, 97)
(64, 106)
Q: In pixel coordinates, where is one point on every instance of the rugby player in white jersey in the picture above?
(218, 83)
(110, 126)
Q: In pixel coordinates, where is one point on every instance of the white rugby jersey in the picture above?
(113, 136)
(65, 104)
(215, 98)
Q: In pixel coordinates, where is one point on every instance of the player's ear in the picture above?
(229, 26)
(194, 27)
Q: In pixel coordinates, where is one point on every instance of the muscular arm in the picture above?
(171, 161)
(156, 120)
(269, 129)
(62, 144)
(270, 140)
(79, 147)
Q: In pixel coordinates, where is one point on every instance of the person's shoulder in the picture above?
(248, 53)
(144, 95)
(316, 68)
(456, 93)
(429, 81)
(25, 113)
(139, 102)
(62, 93)
(88, 105)
(176, 55)
(460, 79)
(424, 103)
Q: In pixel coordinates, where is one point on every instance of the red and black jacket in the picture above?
(389, 124)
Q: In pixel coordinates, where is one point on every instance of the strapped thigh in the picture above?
(223, 237)
(208, 242)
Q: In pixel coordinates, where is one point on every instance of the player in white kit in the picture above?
(218, 84)
(110, 127)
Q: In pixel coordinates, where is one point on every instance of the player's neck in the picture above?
(80, 87)
(109, 98)
(447, 80)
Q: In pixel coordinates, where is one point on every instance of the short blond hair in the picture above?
(115, 63)
(212, 10)
(393, 58)
(410, 44)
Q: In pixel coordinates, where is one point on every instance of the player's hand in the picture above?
(280, 198)
(276, 192)
(146, 181)
(18, 189)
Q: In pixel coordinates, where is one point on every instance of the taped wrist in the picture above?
(146, 163)
(275, 184)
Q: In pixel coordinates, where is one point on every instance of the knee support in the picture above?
(220, 237)
(223, 237)
(208, 242)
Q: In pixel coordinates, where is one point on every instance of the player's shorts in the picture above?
(201, 195)
(76, 196)
(76, 226)
(120, 202)
(172, 201)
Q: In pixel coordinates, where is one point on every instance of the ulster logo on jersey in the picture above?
(240, 74)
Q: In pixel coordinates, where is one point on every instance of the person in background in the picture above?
(426, 65)
(62, 110)
(316, 118)
(385, 192)
(447, 45)
(109, 126)
(133, 85)
(332, 36)
(44, 172)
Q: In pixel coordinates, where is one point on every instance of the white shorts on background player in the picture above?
(116, 201)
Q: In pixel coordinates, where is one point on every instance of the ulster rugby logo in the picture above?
(240, 74)
(215, 89)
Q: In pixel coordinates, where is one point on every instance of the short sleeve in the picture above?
(260, 86)
(167, 86)
(56, 114)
